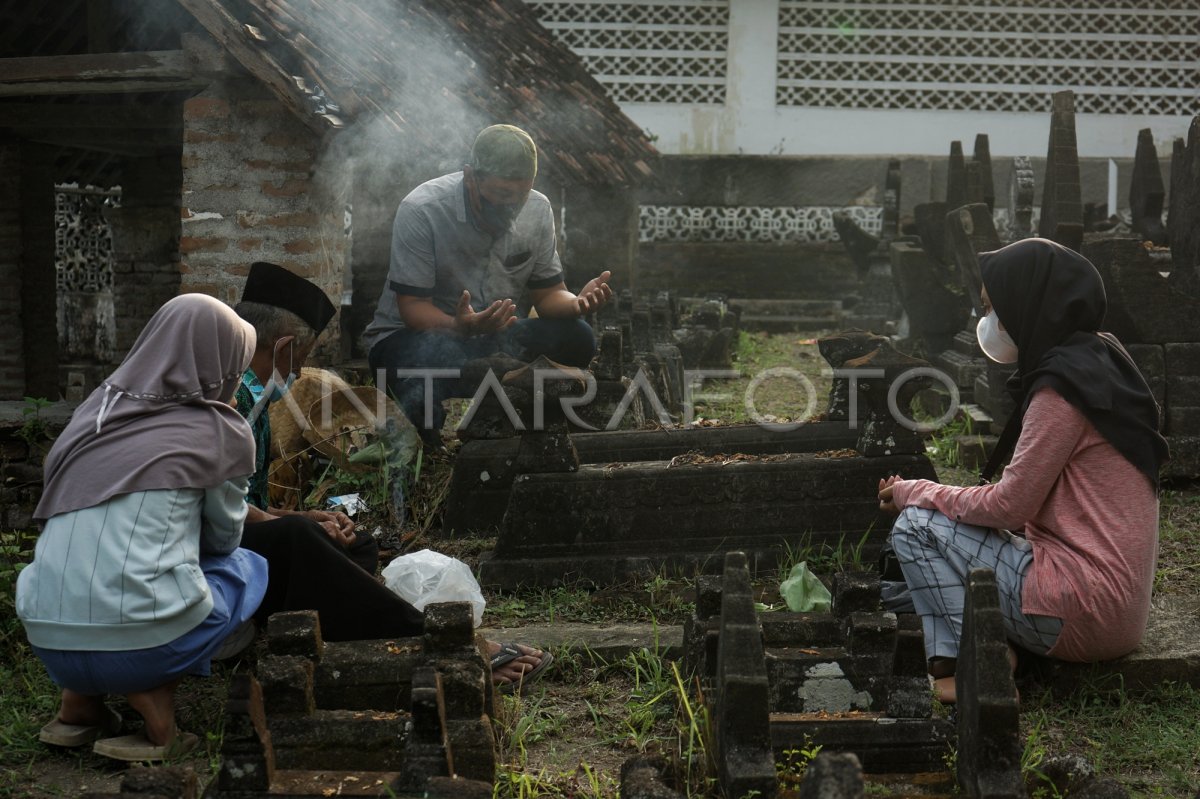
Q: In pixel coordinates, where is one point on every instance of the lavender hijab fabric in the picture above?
(163, 419)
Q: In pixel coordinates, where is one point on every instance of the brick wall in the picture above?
(145, 233)
(12, 362)
(252, 191)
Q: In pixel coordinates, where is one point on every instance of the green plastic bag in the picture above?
(803, 592)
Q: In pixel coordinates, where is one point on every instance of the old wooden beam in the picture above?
(107, 140)
(118, 116)
(157, 71)
(231, 34)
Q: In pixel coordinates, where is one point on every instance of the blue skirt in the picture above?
(237, 582)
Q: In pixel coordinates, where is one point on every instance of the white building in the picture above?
(835, 87)
(888, 77)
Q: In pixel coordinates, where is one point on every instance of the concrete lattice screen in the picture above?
(83, 261)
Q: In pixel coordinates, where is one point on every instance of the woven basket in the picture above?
(343, 422)
(289, 416)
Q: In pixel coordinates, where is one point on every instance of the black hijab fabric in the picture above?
(1051, 301)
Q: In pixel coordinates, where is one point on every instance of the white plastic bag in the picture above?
(427, 576)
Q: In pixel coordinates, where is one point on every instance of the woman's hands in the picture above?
(886, 503)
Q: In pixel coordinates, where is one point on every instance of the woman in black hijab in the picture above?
(1071, 528)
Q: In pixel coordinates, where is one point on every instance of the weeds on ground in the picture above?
(659, 598)
(826, 558)
(792, 767)
(781, 397)
(1148, 741)
(33, 430)
(28, 698)
(1179, 547)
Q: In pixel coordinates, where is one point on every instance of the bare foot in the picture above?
(514, 669)
(944, 688)
(157, 707)
(81, 709)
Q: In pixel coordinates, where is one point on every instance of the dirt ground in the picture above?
(572, 731)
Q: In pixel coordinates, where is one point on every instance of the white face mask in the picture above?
(995, 343)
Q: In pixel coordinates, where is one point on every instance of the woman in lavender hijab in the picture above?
(137, 577)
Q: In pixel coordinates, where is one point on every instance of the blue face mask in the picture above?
(278, 389)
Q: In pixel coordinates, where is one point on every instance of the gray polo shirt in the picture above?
(437, 252)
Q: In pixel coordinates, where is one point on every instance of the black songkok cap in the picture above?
(269, 284)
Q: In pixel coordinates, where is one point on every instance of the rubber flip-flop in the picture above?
(510, 652)
(137, 747)
(59, 733)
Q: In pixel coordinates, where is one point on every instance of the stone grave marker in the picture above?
(1021, 187)
(1146, 191)
(1062, 206)
(989, 747)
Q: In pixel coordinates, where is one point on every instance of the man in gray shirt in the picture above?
(465, 246)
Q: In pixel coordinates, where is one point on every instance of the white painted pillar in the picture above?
(753, 44)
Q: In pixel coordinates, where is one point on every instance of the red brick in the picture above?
(292, 187)
(304, 166)
(281, 138)
(250, 219)
(190, 161)
(238, 270)
(299, 219)
(202, 244)
(304, 269)
(263, 108)
(246, 245)
(301, 246)
(205, 108)
(196, 136)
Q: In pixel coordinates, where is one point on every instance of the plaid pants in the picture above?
(936, 553)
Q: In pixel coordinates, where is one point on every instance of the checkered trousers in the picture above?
(936, 553)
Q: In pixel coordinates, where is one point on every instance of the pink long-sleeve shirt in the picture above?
(1091, 517)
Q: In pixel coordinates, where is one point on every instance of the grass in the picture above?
(1149, 742)
(826, 558)
(781, 398)
(1178, 543)
(659, 599)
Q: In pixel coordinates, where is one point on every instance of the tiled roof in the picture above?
(433, 72)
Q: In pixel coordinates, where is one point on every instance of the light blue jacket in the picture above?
(125, 574)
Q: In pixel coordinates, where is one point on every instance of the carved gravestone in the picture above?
(833, 776)
(969, 230)
(742, 719)
(983, 157)
(1146, 192)
(931, 227)
(1021, 185)
(931, 295)
(1062, 206)
(891, 201)
(859, 243)
(974, 193)
(956, 177)
(989, 749)
(1183, 224)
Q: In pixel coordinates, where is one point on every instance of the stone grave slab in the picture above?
(626, 521)
(484, 470)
